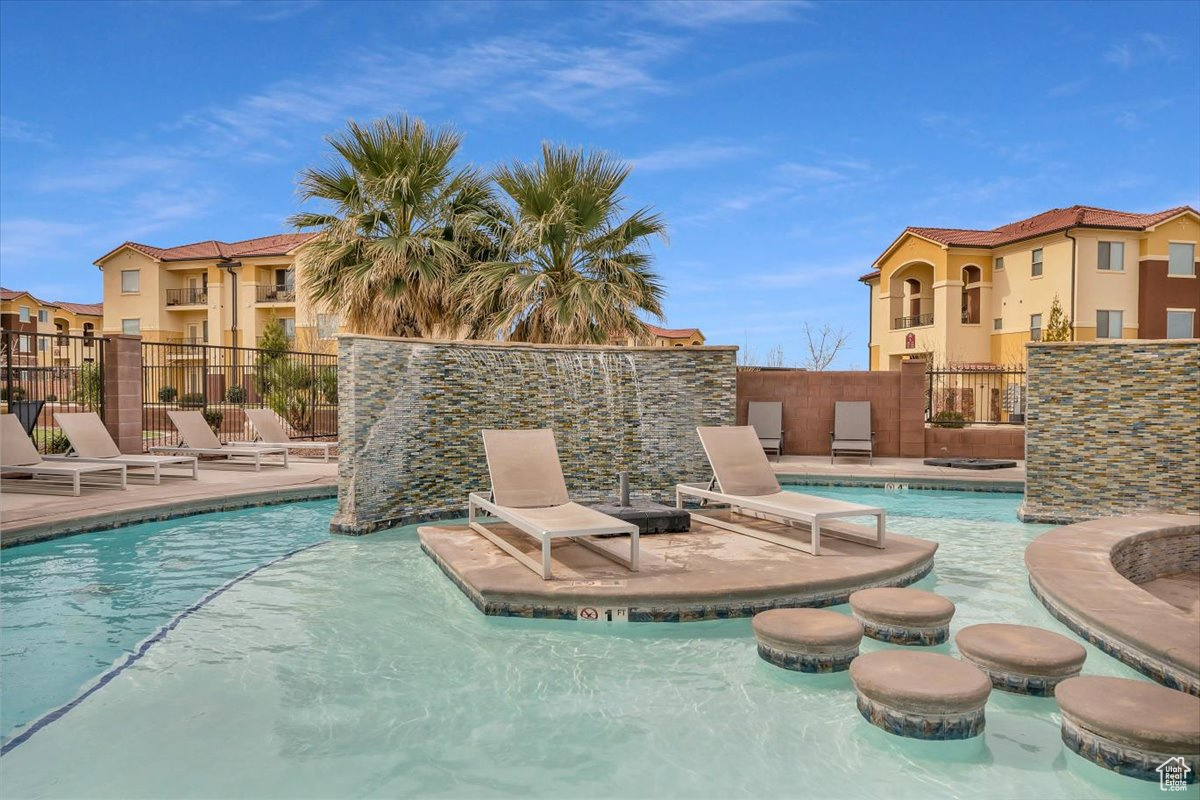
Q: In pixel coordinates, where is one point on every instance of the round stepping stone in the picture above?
(807, 639)
(903, 616)
(1131, 727)
(1021, 659)
(920, 695)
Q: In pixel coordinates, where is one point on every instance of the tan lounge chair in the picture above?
(90, 439)
(767, 421)
(852, 434)
(269, 431)
(529, 493)
(197, 439)
(747, 484)
(19, 456)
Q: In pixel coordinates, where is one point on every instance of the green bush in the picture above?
(52, 398)
(18, 394)
(327, 380)
(51, 441)
(167, 394)
(235, 394)
(949, 419)
(192, 400)
(213, 418)
(89, 386)
(291, 393)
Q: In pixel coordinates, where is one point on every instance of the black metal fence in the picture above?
(42, 374)
(975, 395)
(220, 382)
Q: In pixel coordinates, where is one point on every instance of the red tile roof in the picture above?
(275, 245)
(96, 309)
(672, 333)
(1053, 221)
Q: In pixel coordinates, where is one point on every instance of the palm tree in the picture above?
(395, 240)
(574, 271)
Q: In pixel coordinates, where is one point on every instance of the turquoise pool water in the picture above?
(356, 669)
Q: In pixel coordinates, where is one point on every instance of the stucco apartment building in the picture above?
(976, 297)
(35, 325)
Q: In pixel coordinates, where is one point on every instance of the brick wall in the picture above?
(999, 441)
(410, 413)
(1112, 427)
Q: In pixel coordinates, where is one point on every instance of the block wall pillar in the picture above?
(123, 391)
(912, 409)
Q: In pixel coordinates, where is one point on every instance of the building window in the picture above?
(1111, 256)
(42, 343)
(23, 314)
(999, 264)
(23, 344)
(43, 315)
(997, 324)
(1108, 324)
(89, 331)
(289, 327)
(1182, 259)
(131, 281)
(1035, 327)
(1181, 324)
(131, 326)
(327, 326)
(1037, 263)
(285, 279)
(204, 332)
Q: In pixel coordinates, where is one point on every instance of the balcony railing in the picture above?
(276, 294)
(187, 297)
(185, 340)
(914, 321)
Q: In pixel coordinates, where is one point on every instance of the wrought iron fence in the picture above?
(984, 394)
(191, 296)
(914, 321)
(222, 381)
(44, 374)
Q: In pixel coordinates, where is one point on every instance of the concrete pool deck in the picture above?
(705, 574)
(27, 517)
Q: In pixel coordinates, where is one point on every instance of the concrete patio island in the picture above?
(704, 574)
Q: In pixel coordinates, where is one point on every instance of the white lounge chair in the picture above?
(19, 456)
(767, 421)
(746, 483)
(90, 440)
(529, 493)
(269, 431)
(197, 439)
(852, 434)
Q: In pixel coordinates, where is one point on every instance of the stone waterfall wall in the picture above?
(410, 413)
(1112, 427)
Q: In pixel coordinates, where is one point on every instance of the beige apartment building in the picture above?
(976, 297)
(36, 327)
(220, 293)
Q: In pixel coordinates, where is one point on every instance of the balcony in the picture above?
(276, 294)
(185, 340)
(914, 321)
(187, 297)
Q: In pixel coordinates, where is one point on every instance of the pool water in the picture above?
(355, 668)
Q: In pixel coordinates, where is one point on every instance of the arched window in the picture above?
(912, 289)
(89, 330)
(970, 295)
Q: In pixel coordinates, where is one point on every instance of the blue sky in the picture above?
(786, 144)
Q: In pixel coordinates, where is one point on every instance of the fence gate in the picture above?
(987, 394)
(43, 374)
(221, 382)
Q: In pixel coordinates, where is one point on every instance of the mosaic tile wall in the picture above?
(410, 413)
(1112, 428)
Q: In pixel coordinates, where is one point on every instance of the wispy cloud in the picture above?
(703, 13)
(1067, 89)
(827, 173)
(690, 155)
(107, 174)
(17, 130)
(254, 10)
(1142, 47)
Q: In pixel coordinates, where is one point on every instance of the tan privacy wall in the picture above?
(1112, 427)
(411, 412)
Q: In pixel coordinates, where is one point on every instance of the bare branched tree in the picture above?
(824, 343)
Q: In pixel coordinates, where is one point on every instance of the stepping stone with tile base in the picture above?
(807, 639)
(1021, 659)
(903, 616)
(920, 695)
(1131, 727)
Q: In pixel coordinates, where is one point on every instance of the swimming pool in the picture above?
(354, 668)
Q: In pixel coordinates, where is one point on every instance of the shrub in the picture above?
(291, 393)
(18, 394)
(89, 386)
(52, 398)
(949, 419)
(51, 441)
(167, 394)
(235, 394)
(329, 384)
(192, 400)
(213, 417)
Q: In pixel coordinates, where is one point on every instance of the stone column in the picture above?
(912, 409)
(123, 391)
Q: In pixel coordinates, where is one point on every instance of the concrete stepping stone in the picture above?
(807, 639)
(903, 616)
(1131, 727)
(920, 695)
(1019, 658)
